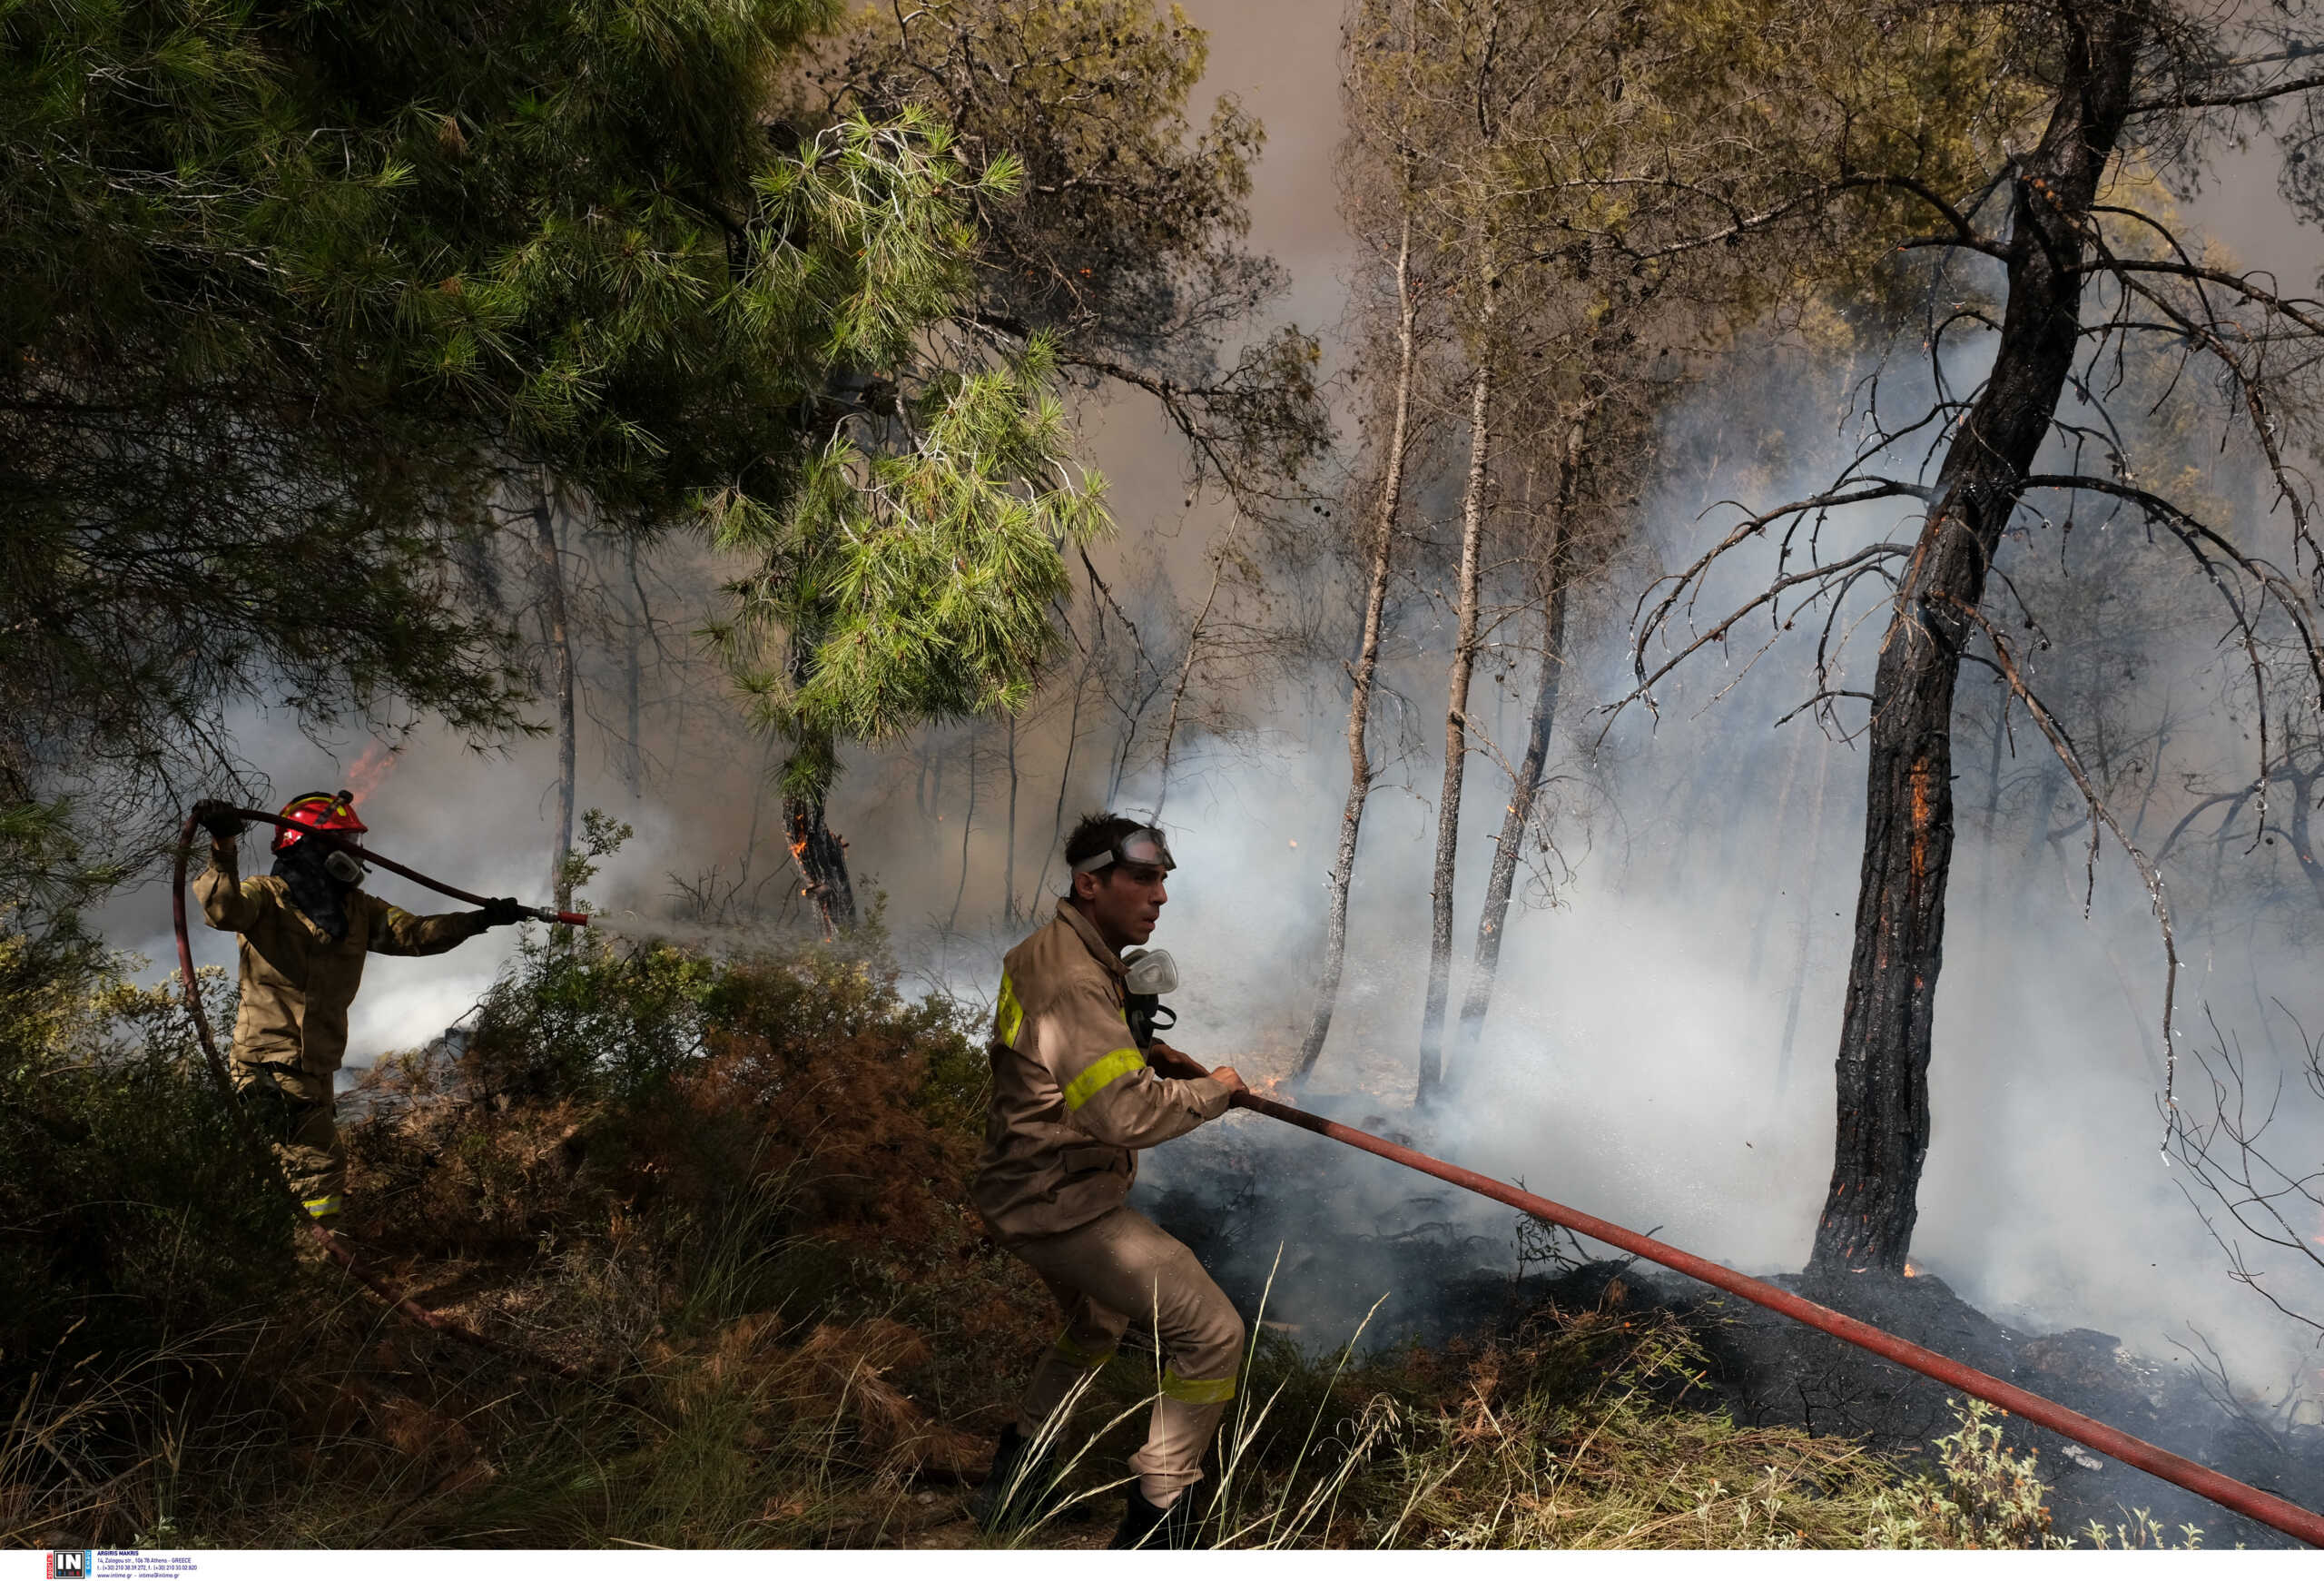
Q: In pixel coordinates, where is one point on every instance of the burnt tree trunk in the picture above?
(1367, 664)
(1476, 1000)
(558, 629)
(821, 859)
(1883, 1129)
(820, 855)
(1456, 716)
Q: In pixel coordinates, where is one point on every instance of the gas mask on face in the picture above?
(1150, 974)
(345, 869)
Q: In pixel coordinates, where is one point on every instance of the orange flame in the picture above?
(1911, 1272)
(370, 771)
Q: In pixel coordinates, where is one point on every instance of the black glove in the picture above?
(504, 912)
(223, 822)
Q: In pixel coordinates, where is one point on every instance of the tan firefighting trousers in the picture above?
(293, 1111)
(1104, 1273)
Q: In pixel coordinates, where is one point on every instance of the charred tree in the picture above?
(1883, 1129)
(821, 859)
(820, 855)
(1367, 654)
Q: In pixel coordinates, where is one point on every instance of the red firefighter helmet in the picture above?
(318, 810)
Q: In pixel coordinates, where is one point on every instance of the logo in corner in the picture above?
(69, 1565)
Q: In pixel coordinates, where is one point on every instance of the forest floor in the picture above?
(712, 1216)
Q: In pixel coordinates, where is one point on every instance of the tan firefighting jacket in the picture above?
(297, 980)
(1071, 1095)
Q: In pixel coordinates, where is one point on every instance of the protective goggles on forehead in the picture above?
(1138, 848)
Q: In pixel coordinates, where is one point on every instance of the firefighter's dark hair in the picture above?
(1096, 833)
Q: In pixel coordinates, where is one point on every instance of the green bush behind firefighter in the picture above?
(304, 930)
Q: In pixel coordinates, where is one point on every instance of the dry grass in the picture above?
(731, 1196)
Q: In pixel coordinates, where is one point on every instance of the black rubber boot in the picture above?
(1143, 1527)
(1011, 1492)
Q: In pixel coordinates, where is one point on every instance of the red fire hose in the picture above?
(2280, 1514)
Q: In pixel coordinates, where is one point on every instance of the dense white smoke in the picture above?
(1660, 1049)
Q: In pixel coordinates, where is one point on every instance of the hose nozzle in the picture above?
(571, 919)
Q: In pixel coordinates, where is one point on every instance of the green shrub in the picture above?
(582, 1019)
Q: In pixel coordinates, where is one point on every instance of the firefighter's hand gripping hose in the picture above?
(2266, 1508)
(333, 1247)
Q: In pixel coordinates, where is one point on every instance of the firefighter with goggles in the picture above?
(305, 929)
(1073, 1101)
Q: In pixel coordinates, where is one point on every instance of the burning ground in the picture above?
(713, 1213)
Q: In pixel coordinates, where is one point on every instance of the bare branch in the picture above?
(2220, 101)
(2100, 813)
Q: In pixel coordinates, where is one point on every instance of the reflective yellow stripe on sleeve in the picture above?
(1008, 1016)
(1088, 1084)
(1198, 1391)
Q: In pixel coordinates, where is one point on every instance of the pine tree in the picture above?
(288, 296)
(909, 581)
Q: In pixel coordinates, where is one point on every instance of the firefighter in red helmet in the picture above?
(305, 929)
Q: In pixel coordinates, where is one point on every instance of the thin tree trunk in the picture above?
(1778, 856)
(1992, 796)
(1493, 919)
(1883, 1129)
(1064, 777)
(1456, 716)
(750, 846)
(936, 807)
(551, 568)
(1009, 863)
(1804, 921)
(1186, 670)
(633, 760)
(1367, 664)
(968, 823)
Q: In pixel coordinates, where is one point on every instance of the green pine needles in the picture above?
(913, 583)
(294, 302)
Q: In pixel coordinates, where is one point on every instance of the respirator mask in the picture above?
(345, 868)
(1147, 975)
